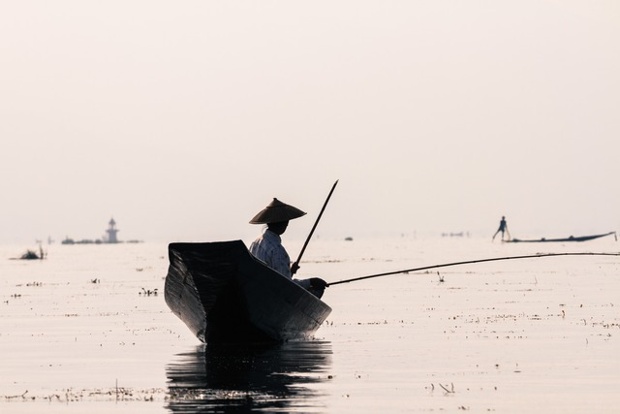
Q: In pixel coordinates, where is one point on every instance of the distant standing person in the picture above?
(503, 227)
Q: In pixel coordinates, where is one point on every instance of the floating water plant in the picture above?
(29, 255)
(146, 292)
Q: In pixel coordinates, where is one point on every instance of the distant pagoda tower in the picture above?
(112, 232)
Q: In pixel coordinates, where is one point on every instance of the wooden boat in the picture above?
(225, 295)
(567, 239)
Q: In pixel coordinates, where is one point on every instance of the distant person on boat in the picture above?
(268, 247)
(503, 227)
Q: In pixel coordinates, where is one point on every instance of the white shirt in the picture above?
(269, 250)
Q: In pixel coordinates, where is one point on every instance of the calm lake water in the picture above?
(87, 330)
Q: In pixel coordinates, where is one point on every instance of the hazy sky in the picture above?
(183, 119)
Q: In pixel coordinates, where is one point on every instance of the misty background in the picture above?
(183, 119)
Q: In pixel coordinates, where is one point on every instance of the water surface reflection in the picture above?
(237, 378)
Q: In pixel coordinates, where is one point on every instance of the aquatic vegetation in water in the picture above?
(32, 255)
(70, 395)
(147, 292)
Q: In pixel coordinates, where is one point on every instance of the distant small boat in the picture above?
(566, 239)
(225, 295)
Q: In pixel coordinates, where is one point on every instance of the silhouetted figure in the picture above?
(268, 247)
(503, 227)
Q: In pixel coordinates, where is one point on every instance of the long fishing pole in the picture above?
(295, 265)
(417, 269)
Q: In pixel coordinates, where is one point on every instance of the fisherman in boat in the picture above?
(268, 247)
(503, 227)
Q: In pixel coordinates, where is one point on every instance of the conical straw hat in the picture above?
(276, 212)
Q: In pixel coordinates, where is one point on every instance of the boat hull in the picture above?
(567, 239)
(223, 294)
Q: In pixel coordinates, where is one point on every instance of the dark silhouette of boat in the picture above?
(566, 239)
(225, 295)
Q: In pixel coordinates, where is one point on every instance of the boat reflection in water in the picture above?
(240, 378)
